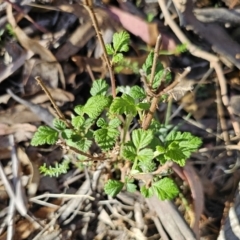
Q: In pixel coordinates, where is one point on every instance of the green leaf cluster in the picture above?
(164, 189)
(137, 151)
(178, 147)
(161, 73)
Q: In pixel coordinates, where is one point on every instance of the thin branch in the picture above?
(88, 7)
(156, 54)
(221, 116)
(155, 100)
(59, 113)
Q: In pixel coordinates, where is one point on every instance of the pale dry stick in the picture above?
(47, 227)
(10, 222)
(88, 7)
(222, 119)
(155, 58)
(62, 195)
(225, 99)
(228, 147)
(195, 51)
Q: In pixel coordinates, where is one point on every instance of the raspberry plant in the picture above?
(105, 122)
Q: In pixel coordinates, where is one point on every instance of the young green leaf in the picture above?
(131, 187)
(99, 87)
(67, 134)
(143, 106)
(129, 152)
(114, 123)
(179, 146)
(79, 109)
(165, 189)
(147, 165)
(161, 75)
(44, 135)
(137, 92)
(117, 58)
(147, 66)
(145, 154)
(106, 137)
(124, 104)
(141, 138)
(121, 41)
(146, 192)
(55, 171)
(88, 123)
(113, 187)
(78, 122)
(95, 105)
(109, 49)
(82, 144)
(101, 123)
(59, 124)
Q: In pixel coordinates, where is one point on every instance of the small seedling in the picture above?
(100, 120)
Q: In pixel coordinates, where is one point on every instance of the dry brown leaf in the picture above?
(33, 45)
(5, 129)
(18, 114)
(32, 171)
(79, 38)
(148, 32)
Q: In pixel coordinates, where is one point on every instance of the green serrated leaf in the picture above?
(131, 187)
(99, 87)
(146, 192)
(124, 89)
(109, 49)
(175, 153)
(88, 123)
(143, 106)
(137, 92)
(44, 135)
(79, 109)
(147, 66)
(179, 146)
(114, 123)
(124, 104)
(101, 123)
(161, 75)
(106, 137)
(165, 189)
(160, 149)
(141, 138)
(121, 41)
(117, 58)
(147, 165)
(145, 154)
(95, 105)
(129, 152)
(78, 122)
(82, 144)
(59, 124)
(113, 187)
(67, 134)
